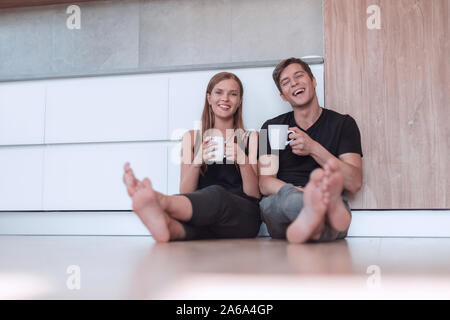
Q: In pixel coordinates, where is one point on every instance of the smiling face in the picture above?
(224, 98)
(297, 87)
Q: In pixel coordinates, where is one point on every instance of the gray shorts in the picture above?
(278, 211)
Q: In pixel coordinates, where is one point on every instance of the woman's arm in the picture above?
(190, 168)
(249, 169)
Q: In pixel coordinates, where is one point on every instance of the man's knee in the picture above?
(287, 198)
(266, 203)
(290, 201)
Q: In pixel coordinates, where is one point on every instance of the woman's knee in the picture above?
(217, 194)
(215, 190)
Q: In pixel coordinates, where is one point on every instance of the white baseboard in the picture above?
(71, 223)
(400, 223)
(405, 223)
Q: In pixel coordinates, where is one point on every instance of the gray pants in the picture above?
(278, 211)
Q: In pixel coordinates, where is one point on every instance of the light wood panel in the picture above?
(395, 82)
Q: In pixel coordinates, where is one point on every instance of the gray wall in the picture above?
(133, 36)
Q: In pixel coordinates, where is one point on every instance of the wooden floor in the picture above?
(122, 267)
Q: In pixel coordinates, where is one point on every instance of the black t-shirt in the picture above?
(226, 175)
(336, 132)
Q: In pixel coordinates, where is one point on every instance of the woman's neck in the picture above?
(223, 125)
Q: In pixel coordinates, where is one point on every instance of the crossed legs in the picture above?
(162, 214)
(322, 203)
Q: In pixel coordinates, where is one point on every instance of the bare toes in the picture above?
(147, 183)
(317, 175)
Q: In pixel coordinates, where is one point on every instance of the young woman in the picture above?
(217, 200)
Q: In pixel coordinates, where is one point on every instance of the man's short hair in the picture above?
(283, 64)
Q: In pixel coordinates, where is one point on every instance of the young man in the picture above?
(303, 183)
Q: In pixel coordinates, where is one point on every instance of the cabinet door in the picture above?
(22, 107)
(121, 108)
(89, 176)
(21, 178)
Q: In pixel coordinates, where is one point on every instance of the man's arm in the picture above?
(268, 168)
(350, 163)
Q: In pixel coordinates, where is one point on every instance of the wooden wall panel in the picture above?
(395, 82)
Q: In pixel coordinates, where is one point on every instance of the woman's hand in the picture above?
(205, 153)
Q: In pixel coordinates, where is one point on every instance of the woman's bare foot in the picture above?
(146, 205)
(312, 216)
(130, 180)
(338, 215)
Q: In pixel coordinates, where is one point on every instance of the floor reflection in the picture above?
(325, 258)
(139, 268)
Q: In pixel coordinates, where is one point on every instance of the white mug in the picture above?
(220, 149)
(278, 136)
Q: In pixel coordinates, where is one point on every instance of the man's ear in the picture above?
(282, 96)
(314, 82)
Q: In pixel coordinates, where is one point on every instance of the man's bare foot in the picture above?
(312, 216)
(338, 215)
(146, 205)
(130, 180)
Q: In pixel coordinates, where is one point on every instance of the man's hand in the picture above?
(302, 144)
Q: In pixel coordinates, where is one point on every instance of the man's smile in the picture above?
(298, 92)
